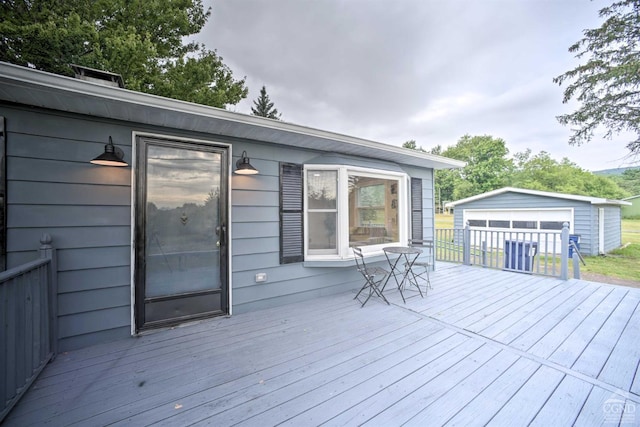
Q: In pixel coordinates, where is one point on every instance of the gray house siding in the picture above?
(428, 205)
(582, 213)
(612, 228)
(251, 214)
(87, 210)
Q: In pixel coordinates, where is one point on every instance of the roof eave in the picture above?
(36, 88)
(587, 199)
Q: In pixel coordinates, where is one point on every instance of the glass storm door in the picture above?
(181, 248)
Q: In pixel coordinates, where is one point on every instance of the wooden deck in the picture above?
(484, 347)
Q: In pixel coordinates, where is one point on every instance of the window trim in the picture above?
(342, 203)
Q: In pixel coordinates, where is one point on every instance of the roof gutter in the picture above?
(31, 87)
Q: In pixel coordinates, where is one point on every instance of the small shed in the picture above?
(597, 221)
(212, 212)
(632, 211)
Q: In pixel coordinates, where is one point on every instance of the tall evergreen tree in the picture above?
(607, 82)
(263, 106)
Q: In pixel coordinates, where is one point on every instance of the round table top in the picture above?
(402, 250)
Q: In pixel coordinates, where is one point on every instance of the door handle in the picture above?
(221, 232)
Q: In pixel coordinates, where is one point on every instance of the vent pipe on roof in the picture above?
(100, 77)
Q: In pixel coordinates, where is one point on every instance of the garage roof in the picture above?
(592, 200)
(36, 88)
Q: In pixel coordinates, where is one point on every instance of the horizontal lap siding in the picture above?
(86, 209)
(255, 236)
(582, 212)
(256, 242)
(612, 228)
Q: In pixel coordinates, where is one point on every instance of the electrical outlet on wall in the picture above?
(261, 277)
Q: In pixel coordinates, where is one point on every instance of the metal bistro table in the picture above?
(409, 255)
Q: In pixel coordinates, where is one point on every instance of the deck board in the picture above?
(502, 307)
(482, 408)
(564, 405)
(171, 351)
(592, 413)
(523, 317)
(622, 363)
(483, 347)
(535, 319)
(448, 404)
(359, 383)
(278, 397)
(549, 342)
(592, 360)
(574, 345)
(525, 404)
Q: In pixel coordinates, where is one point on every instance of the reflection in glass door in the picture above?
(181, 254)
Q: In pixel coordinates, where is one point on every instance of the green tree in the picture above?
(629, 180)
(411, 144)
(541, 172)
(263, 106)
(140, 39)
(608, 83)
(488, 167)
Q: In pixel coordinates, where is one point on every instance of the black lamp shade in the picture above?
(243, 166)
(111, 156)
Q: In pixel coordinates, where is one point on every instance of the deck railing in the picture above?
(536, 252)
(28, 333)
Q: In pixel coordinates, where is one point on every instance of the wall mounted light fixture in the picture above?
(243, 166)
(112, 156)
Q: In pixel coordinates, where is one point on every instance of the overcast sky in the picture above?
(428, 70)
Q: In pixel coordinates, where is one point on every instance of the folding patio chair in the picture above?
(420, 268)
(373, 276)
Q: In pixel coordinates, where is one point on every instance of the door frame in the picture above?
(134, 181)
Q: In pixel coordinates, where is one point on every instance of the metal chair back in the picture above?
(373, 276)
(425, 262)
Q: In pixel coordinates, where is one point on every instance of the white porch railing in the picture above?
(544, 253)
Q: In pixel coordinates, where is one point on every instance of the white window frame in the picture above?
(342, 228)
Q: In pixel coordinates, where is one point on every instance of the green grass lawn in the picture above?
(445, 221)
(630, 231)
(623, 263)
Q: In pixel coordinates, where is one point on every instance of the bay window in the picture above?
(349, 206)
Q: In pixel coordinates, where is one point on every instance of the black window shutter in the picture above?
(416, 208)
(291, 213)
(3, 195)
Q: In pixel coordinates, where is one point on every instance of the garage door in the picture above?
(519, 224)
(519, 219)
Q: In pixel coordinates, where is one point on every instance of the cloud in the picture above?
(429, 70)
